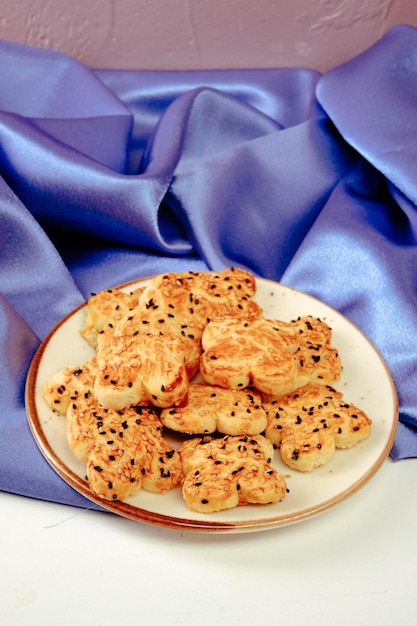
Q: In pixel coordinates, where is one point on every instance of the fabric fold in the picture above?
(33, 276)
(372, 100)
(65, 190)
(253, 184)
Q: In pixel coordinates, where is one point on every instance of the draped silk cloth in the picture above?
(108, 176)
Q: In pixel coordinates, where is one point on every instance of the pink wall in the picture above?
(183, 34)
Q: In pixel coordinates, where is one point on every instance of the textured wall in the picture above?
(166, 34)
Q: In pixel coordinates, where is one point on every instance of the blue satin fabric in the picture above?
(109, 175)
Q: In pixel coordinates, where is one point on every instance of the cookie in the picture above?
(107, 307)
(130, 453)
(194, 298)
(316, 358)
(140, 361)
(245, 353)
(228, 472)
(68, 383)
(308, 425)
(208, 408)
(274, 356)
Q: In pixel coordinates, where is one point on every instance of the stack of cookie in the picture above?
(192, 353)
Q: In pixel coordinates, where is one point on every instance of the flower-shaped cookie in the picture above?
(316, 358)
(129, 452)
(208, 408)
(68, 384)
(228, 472)
(107, 307)
(141, 361)
(309, 424)
(274, 356)
(239, 354)
(194, 298)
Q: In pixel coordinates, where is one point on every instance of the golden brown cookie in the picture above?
(274, 356)
(309, 424)
(244, 353)
(140, 361)
(317, 359)
(228, 472)
(162, 322)
(66, 385)
(208, 408)
(193, 298)
(107, 307)
(129, 452)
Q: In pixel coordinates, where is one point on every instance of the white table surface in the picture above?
(355, 564)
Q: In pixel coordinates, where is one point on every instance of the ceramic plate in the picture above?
(365, 382)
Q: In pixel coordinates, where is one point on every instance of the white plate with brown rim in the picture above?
(365, 381)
